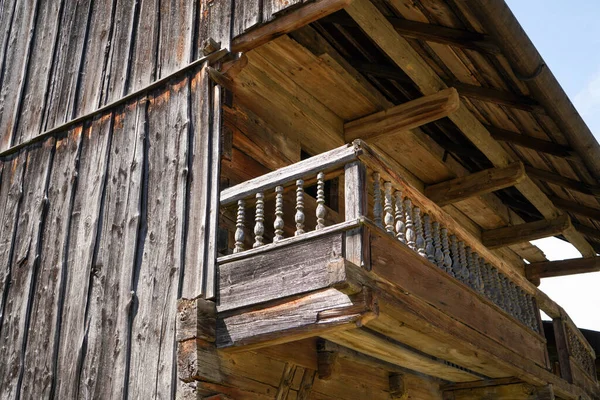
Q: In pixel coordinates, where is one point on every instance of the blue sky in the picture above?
(567, 35)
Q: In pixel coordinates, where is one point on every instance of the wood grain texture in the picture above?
(525, 232)
(563, 267)
(24, 268)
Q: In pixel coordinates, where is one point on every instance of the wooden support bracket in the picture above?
(326, 359)
(476, 184)
(510, 235)
(404, 117)
(560, 268)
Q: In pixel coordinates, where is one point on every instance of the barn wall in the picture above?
(94, 226)
(62, 59)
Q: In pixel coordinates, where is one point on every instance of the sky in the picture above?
(567, 35)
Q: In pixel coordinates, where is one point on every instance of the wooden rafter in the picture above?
(529, 142)
(562, 181)
(476, 184)
(563, 267)
(510, 235)
(576, 208)
(404, 117)
(379, 29)
(431, 33)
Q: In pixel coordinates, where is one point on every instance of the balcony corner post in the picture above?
(562, 347)
(355, 202)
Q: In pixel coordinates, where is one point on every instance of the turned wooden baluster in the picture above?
(278, 224)
(388, 218)
(429, 249)
(523, 306)
(438, 254)
(420, 240)
(475, 272)
(321, 211)
(480, 272)
(486, 274)
(446, 251)
(377, 208)
(259, 219)
(299, 217)
(532, 313)
(470, 274)
(506, 292)
(497, 285)
(517, 313)
(239, 228)
(399, 217)
(464, 271)
(410, 229)
(455, 257)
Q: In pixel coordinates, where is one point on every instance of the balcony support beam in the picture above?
(502, 237)
(399, 50)
(477, 184)
(552, 269)
(409, 115)
(519, 139)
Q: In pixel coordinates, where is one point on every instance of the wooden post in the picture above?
(355, 201)
(562, 347)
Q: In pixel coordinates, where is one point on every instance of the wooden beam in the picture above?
(431, 33)
(476, 184)
(587, 231)
(286, 23)
(481, 383)
(562, 181)
(549, 269)
(404, 117)
(497, 96)
(326, 359)
(576, 208)
(532, 143)
(510, 235)
(383, 34)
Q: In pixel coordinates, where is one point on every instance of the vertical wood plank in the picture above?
(248, 14)
(103, 373)
(273, 7)
(194, 278)
(39, 357)
(83, 233)
(24, 266)
(145, 47)
(355, 206)
(562, 348)
(157, 285)
(219, 23)
(175, 35)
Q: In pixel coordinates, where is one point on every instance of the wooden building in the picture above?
(269, 199)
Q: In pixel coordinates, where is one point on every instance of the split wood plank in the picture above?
(175, 37)
(160, 249)
(510, 235)
(83, 236)
(108, 342)
(476, 184)
(45, 316)
(401, 52)
(24, 268)
(404, 117)
(573, 266)
(287, 23)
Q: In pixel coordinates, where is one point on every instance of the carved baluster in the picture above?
(429, 250)
(321, 211)
(446, 251)
(299, 217)
(399, 216)
(497, 288)
(523, 306)
(438, 254)
(410, 229)
(515, 301)
(486, 276)
(506, 292)
(259, 219)
(239, 227)
(474, 272)
(462, 254)
(469, 271)
(420, 240)
(278, 224)
(532, 312)
(388, 218)
(377, 209)
(480, 274)
(455, 257)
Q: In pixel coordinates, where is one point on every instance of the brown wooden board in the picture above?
(83, 235)
(39, 360)
(107, 339)
(24, 268)
(157, 276)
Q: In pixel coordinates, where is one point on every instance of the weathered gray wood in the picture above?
(309, 315)
(83, 233)
(24, 267)
(219, 23)
(107, 340)
(143, 53)
(288, 175)
(157, 275)
(40, 66)
(273, 7)
(308, 266)
(11, 193)
(175, 41)
(355, 206)
(15, 67)
(509, 235)
(248, 14)
(40, 355)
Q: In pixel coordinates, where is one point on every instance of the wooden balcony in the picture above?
(388, 274)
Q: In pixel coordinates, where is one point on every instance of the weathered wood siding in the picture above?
(62, 59)
(95, 223)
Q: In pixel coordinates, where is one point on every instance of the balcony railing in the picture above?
(274, 209)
